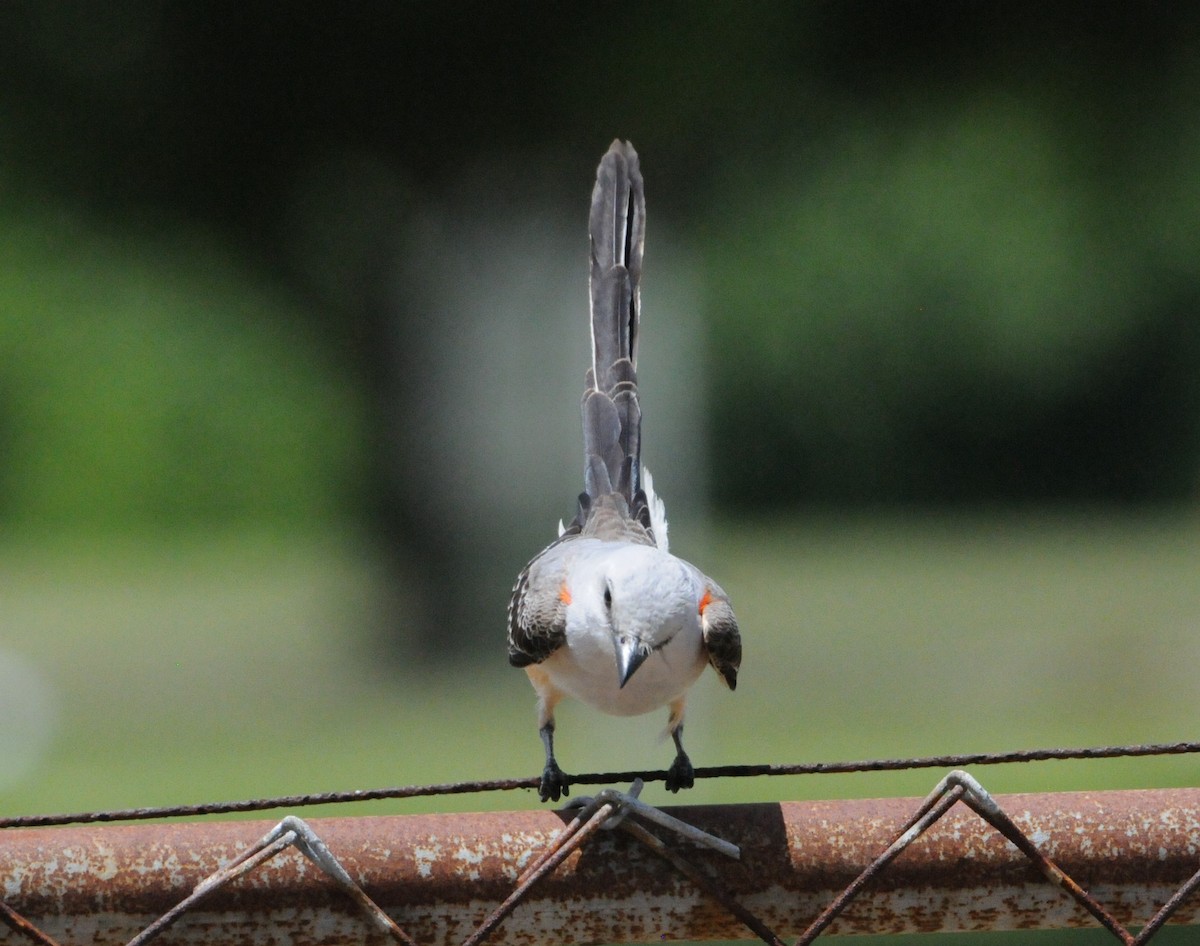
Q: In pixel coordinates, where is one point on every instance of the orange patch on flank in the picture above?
(564, 594)
(706, 600)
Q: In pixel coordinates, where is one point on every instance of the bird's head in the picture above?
(646, 598)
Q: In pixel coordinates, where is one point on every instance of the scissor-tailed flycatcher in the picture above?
(605, 613)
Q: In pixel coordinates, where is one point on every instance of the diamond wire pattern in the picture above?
(615, 810)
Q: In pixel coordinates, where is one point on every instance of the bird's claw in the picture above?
(680, 774)
(554, 783)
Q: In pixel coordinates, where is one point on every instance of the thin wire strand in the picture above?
(602, 778)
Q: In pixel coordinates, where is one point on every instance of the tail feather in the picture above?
(602, 437)
(612, 417)
(613, 311)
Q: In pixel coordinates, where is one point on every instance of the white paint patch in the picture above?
(426, 857)
(471, 861)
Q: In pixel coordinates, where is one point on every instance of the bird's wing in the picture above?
(721, 636)
(537, 610)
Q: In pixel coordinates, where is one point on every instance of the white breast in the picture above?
(587, 670)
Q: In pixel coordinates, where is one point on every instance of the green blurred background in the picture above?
(291, 340)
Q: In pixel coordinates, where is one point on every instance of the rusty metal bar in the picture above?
(439, 876)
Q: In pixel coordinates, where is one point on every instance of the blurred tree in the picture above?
(942, 314)
(149, 385)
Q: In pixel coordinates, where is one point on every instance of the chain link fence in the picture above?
(613, 869)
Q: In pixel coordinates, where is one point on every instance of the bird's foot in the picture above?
(554, 783)
(680, 774)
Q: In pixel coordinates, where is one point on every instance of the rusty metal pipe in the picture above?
(440, 875)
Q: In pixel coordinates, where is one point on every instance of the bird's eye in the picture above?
(607, 597)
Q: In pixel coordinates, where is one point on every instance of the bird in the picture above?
(605, 614)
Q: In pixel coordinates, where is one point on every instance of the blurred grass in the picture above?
(226, 668)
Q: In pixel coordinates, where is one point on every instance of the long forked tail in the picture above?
(612, 418)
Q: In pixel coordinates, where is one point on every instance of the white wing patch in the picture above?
(658, 512)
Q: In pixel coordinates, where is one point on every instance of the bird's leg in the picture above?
(554, 781)
(681, 774)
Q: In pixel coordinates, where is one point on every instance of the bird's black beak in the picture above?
(629, 657)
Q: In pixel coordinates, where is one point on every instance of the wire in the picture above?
(601, 778)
